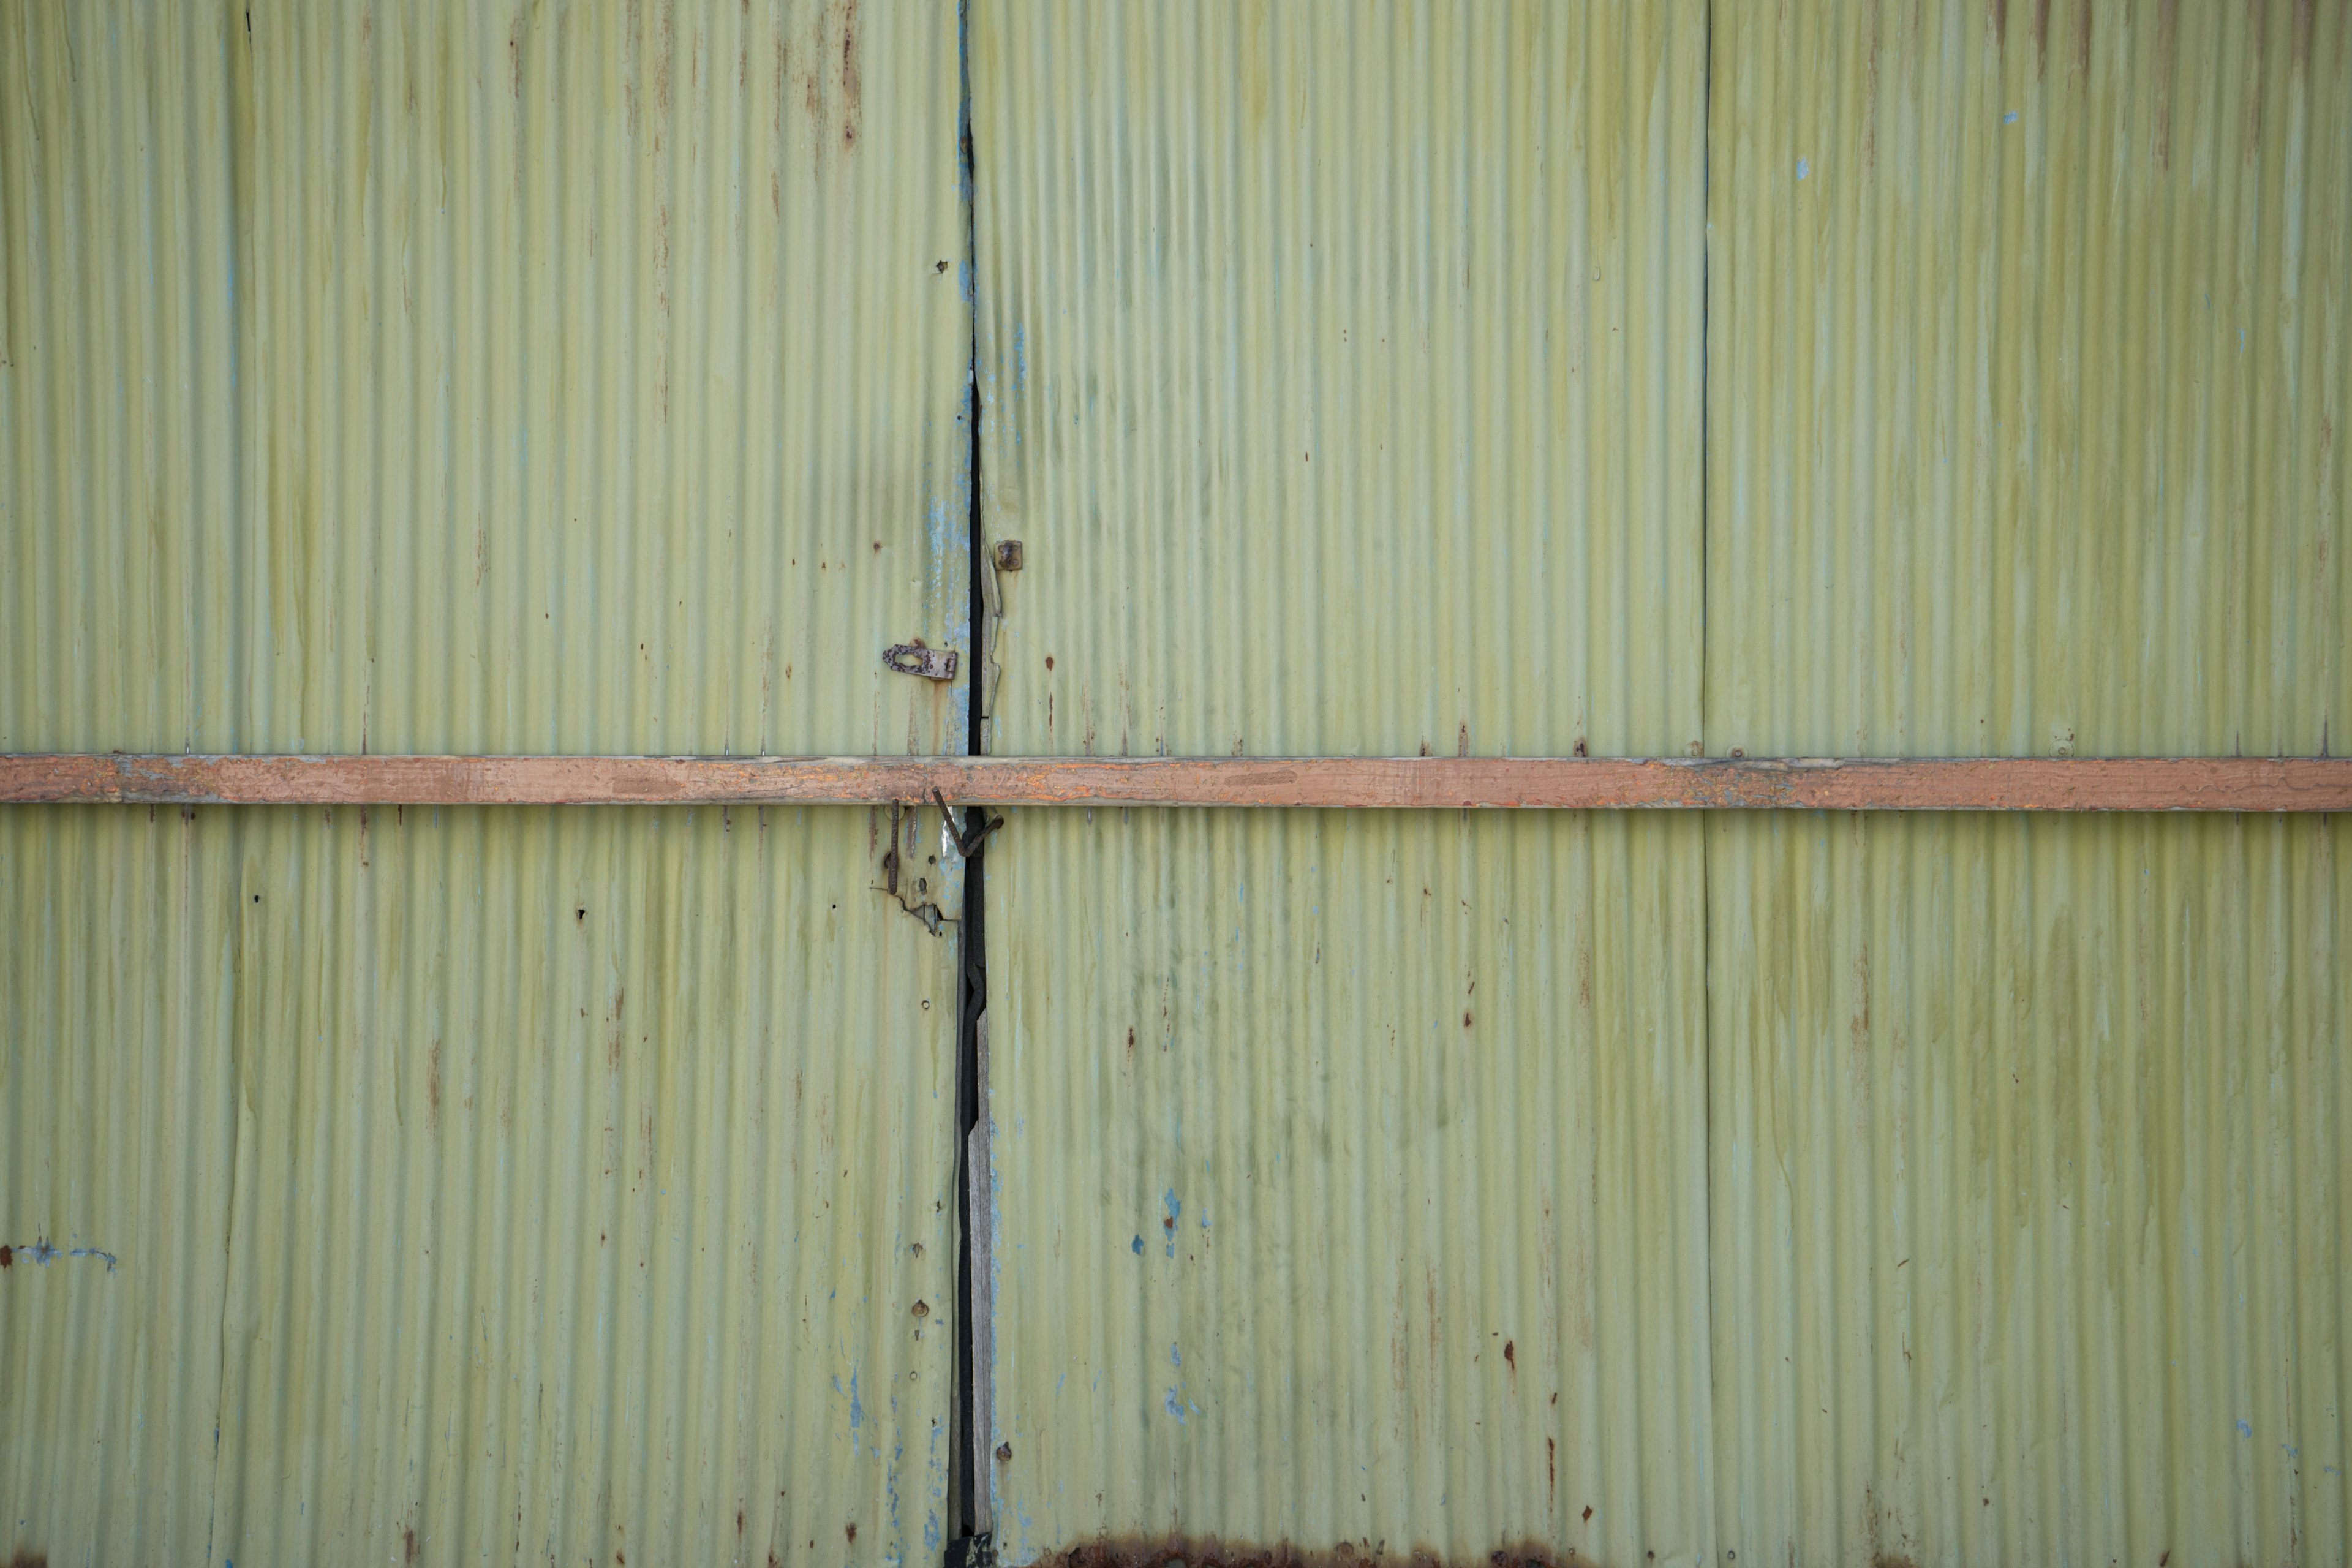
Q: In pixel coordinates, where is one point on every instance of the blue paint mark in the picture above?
(1803, 168)
(44, 1254)
(1137, 1248)
(2009, 119)
(1175, 1356)
(1175, 1407)
(857, 1411)
(2245, 1430)
(1175, 1213)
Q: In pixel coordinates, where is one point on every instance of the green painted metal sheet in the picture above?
(1340, 370)
(485, 378)
(481, 378)
(2029, 378)
(508, 1184)
(1340, 375)
(1350, 1184)
(2028, 1170)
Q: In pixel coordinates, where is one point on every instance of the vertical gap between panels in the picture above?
(969, 1415)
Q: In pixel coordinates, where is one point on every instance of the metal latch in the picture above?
(914, 659)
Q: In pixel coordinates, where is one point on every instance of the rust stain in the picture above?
(432, 1083)
(8, 1257)
(850, 93)
(1209, 1551)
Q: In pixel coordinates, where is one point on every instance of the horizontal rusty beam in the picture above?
(1554, 783)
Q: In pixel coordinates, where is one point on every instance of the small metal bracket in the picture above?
(914, 659)
(967, 844)
(1008, 555)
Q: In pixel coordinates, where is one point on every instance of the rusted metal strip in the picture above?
(1558, 784)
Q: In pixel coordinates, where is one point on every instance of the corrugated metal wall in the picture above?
(2029, 1159)
(1342, 383)
(2027, 363)
(512, 1184)
(502, 1182)
(117, 1149)
(1491, 380)
(482, 378)
(2028, 376)
(1342, 380)
(2023, 1138)
(1351, 1182)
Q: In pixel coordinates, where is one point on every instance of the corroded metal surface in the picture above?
(1997, 783)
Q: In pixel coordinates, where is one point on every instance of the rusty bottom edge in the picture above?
(1211, 1553)
(1537, 784)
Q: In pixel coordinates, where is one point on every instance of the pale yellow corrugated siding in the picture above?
(118, 1149)
(2027, 366)
(2031, 1159)
(1341, 368)
(481, 378)
(2030, 376)
(547, 1185)
(1341, 377)
(1351, 1182)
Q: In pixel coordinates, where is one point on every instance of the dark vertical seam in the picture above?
(972, 979)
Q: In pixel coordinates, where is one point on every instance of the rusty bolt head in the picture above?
(921, 1309)
(1004, 1453)
(1008, 555)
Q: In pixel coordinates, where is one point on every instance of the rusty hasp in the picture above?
(914, 659)
(1537, 784)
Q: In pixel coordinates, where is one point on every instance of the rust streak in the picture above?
(1211, 1553)
(1542, 784)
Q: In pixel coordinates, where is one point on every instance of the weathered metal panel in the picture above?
(1350, 1176)
(2029, 378)
(481, 377)
(117, 1156)
(1341, 379)
(2029, 1167)
(505, 1183)
(1340, 370)
(2028, 360)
